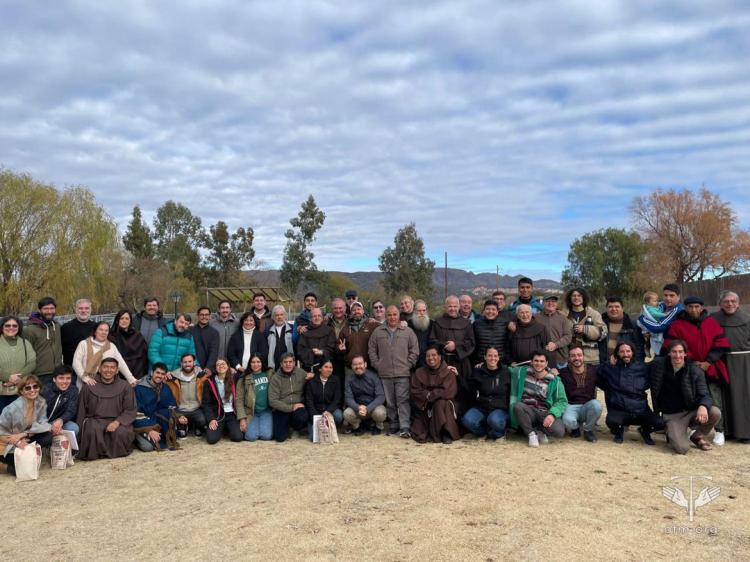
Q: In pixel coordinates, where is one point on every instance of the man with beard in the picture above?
(559, 331)
(422, 325)
(526, 296)
(364, 397)
(706, 346)
(340, 325)
(186, 384)
(226, 323)
(309, 301)
(76, 330)
(206, 340)
(527, 336)
(579, 380)
(262, 313)
(490, 330)
(619, 328)
(317, 342)
(171, 342)
(433, 389)
(43, 333)
(155, 403)
(357, 334)
(149, 320)
(279, 337)
(736, 325)
(465, 309)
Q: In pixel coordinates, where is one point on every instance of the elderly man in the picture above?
(579, 380)
(393, 350)
(490, 330)
(406, 306)
(171, 342)
(317, 342)
(364, 398)
(433, 389)
(351, 298)
(465, 308)
(526, 296)
(455, 336)
(279, 337)
(149, 320)
(679, 392)
(76, 330)
(559, 331)
(378, 311)
(422, 325)
(155, 403)
(261, 313)
(285, 396)
(206, 340)
(619, 328)
(736, 325)
(706, 346)
(527, 335)
(106, 412)
(226, 323)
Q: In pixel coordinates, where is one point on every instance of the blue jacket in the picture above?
(167, 346)
(153, 408)
(625, 386)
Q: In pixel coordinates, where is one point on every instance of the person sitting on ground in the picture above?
(680, 393)
(583, 408)
(364, 398)
(218, 405)
(92, 350)
(537, 400)
(155, 403)
(323, 394)
(285, 395)
(186, 384)
(61, 396)
(253, 411)
(24, 421)
(106, 412)
(433, 390)
(490, 383)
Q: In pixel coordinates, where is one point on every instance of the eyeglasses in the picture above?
(29, 387)
(11, 326)
(378, 306)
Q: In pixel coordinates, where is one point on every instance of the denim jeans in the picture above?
(478, 423)
(260, 427)
(72, 426)
(586, 414)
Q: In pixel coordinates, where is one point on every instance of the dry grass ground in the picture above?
(381, 498)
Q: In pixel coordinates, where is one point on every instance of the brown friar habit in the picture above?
(432, 392)
(460, 331)
(98, 406)
(737, 328)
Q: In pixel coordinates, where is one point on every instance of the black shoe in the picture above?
(375, 431)
(619, 435)
(446, 439)
(198, 432)
(576, 433)
(359, 431)
(646, 436)
(404, 434)
(181, 434)
(589, 436)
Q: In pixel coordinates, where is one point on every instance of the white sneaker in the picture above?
(533, 440)
(719, 439)
(544, 440)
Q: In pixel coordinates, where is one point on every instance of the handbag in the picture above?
(27, 462)
(61, 453)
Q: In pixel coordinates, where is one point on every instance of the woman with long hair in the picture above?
(245, 342)
(253, 411)
(218, 404)
(323, 394)
(130, 343)
(17, 359)
(588, 326)
(92, 350)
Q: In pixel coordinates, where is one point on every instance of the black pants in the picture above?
(282, 421)
(648, 420)
(42, 439)
(196, 418)
(229, 424)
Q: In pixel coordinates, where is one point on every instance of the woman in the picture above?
(490, 384)
(17, 359)
(130, 344)
(24, 421)
(246, 342)
(89, 355)
(218, 402)
(323, 393)
(253, 411)
(588, 326)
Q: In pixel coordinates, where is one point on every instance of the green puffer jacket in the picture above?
(167, 346)
(556, 401)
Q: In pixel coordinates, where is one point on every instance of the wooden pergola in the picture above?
(244, 295)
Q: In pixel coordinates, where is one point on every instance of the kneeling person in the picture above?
(253, 411)
(155, 404)
(364, 398)
(186, 384)
(579, 379)
(433, 390)
(285, 394)
(218, 405)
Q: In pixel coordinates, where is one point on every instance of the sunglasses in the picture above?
(31, 387)
(10, 326)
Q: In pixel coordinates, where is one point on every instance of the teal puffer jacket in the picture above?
(168, 346)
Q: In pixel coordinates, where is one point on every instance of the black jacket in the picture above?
(692, 381)
(423, 337)
(492, 390)
(212, 404)
(319, 398)
(490, 333)
(66, 407)
(236, 347)
(206, 345)
(625, 386)
(630, 333)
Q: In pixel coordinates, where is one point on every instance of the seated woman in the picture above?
(490, 384)
(323, 394)
(253, 411)
(218, 403)
(90, 353)
(24, 420)
(433, 389)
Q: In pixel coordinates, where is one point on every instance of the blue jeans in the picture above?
(478, 423)
(338, 418)
(260, 427)
(586, 414)
(72, 426)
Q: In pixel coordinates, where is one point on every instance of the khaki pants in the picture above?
(678, 424)
(378, 415)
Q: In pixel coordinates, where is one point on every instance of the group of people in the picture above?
(148, 382)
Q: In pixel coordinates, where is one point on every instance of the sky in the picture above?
(503, 129)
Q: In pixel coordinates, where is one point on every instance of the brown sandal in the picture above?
(701, 443)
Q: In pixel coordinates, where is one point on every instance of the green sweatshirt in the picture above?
(17, 356)
(556, 400)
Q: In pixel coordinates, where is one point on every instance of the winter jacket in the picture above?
(147, 325)
(393, 357)
(236, 348)
(154, 405)
(629, 333)
(321, 398)
(286, 389)
(692, 380)
(594, 331)
(17, 356)
(625, 386)
(322, 337)
(168, 346)
(211, 403)
(357, 338)
(276, 345)
(364, 389)
(175, 387)
(60, 405)
(559, 332)
(226, 329)
(489, 333)
(245, 405)
(264, 321)
(72, 333)
(536, 304)
(490, 389)
(302, 320)
(556, 401)
(47, 342)
(206, 340)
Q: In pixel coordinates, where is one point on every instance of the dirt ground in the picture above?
(383, 498)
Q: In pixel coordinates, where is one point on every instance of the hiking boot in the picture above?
(589, 436)
(533, 440)
(575, 433)
(619, 435)
(646, 436)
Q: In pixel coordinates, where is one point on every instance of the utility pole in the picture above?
(446, 275)
(497, 270)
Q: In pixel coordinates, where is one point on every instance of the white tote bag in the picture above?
(60, 453)
(27, 460)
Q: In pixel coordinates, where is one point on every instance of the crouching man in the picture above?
(364, 398)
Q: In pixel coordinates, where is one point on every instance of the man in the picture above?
(455, 336)
(279, 337)
(364, 397)
(393, 350)
(171, 342)
(502, 310)
(490, 330)
(106, 413)
(625, 383)
(62, 400)
(537, 400)
(206, 340)
(465, 309)
(226, 323)
(706, 346)
(149, 320)
(43, 334)
(526, 296)
(76, 330)
(406, 307)
(619, 328)
(261, 312)
(317, 342)
(155, 403)
(679, 392)
(559, 331)
(421, 324)
(186, 384)
(527, 335)
(736, 325)
(433, 389)
(378, 312)
(286, 398)
(351, 298)
(670, 308)
(579, 380)
(356, 336)
(303, 319)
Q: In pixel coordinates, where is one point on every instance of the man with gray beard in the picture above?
(421, 324)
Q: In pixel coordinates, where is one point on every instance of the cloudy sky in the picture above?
(503, 129)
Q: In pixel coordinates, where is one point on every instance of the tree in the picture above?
(58, 243)
(405, 267)
(605, 262)
(138, 240)
(693, 236)
(179, 235)
(228, 254)
(298, 265)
